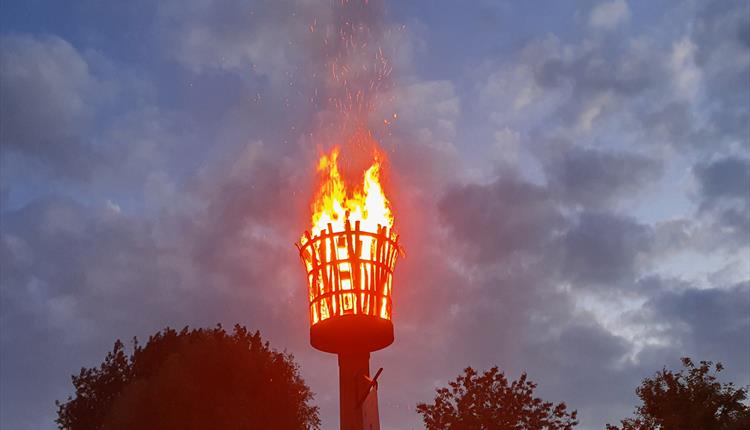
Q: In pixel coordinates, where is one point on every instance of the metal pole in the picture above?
(354, 371)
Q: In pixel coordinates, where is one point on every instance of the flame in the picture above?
(335, 203)
(351, 248)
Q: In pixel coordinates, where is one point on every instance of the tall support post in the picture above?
(354, 371)
(349, 294)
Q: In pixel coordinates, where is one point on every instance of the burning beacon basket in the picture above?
(350, 280)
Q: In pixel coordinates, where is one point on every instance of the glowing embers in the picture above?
(350, 272)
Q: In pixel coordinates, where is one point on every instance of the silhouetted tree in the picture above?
(689, 399)
(192, 379)
(489, 402)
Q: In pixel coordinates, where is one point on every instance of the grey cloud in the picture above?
(509, 310)
(509, 216)
(725, 60)
(725, 178)
(77, 276)
(603, 249)
(557, 355)
(597, 70)
(421, 141)
(427, 113)
(516, 316)
(76, 117)
(500, 219)
(595, 179)
(712, 323)
(500, 306)
(62, 252)
(674, 124)
(290, 43)
(71, 278)
(634, 85)
(236, 36)
(725, 197)
(49, 94)
(555, 90)
(599, 74)
(721, 24)
(608, 15)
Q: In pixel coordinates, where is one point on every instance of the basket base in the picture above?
(350, 333)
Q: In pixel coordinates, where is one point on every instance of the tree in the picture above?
(689, 399)
(489, 402)
(194, 379)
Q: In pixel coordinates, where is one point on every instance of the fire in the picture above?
(336, 203)
(351, 249)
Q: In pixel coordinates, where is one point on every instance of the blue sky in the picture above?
(588, 161)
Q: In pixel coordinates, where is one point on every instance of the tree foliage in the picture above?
(192, 379)
(689, 399)
(489, 402)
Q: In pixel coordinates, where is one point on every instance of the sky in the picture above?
(570, 180)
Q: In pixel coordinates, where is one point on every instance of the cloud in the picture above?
(421, 137)
(723, 55)
(305, 49)
(595, 179)
(501, 219)
(724, 198)
(524, 271)
(77, 274)
(609, 89)
(592, 90)
(609, 15)
(557, 356)
(711, 323)
(68, 284)
(49, 95)
(428, 111)
(688, 75)
(725, 178)
(603, 249)
(239, 37)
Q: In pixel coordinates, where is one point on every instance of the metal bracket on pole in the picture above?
(373, 382)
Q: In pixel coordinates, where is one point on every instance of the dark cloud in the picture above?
(674, 123)
(651, 89)
(593, 178)
(594, 79)
(510, 310)
(80, 275)
(72, 277)
(724, 58)
(726, 178)
(498, 220)
(304, 49)
(596, 70)
(557, 355)
(267, 37)
(711, 323)
(725, 197)
(721, 25)
(48, 99)
(603, 249)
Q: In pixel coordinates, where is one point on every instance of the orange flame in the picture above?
(335, 203)
(351, 249)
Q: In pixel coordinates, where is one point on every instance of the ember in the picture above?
(350, 251)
